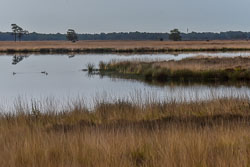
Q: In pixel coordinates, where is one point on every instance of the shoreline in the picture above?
(118, 51)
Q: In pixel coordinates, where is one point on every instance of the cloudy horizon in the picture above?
(96, 16)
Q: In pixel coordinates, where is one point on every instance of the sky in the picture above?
(96, 16)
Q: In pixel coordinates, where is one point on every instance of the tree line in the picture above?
(71, 35)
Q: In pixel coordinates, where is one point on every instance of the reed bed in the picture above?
(203, 69)
(203, 133)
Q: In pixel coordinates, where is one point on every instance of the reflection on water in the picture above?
(16, 59)
(61, 77)
(71, 56)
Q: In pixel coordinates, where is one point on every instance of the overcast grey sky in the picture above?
(95, 16)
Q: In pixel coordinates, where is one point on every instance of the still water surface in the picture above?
(22, 77)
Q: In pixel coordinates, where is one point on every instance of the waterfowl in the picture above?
(44, 72)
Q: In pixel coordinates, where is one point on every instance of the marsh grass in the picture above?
(203, 69)
(121, 133)
(90, 67)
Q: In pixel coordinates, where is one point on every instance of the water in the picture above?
(22, 77)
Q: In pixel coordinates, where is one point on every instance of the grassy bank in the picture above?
(209, 133)
(202, 69)
(113, 50)
(54, 47)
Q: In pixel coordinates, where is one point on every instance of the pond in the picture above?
(61, 77)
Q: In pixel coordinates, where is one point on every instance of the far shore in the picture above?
(10, 47)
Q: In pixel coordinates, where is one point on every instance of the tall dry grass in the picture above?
(198, 63)
(207, 63)
(206, 133)
(202, 69)
(126, 44)
(121, 46)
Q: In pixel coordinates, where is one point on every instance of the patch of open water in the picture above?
(60, 77)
